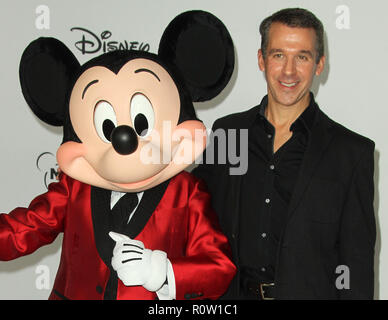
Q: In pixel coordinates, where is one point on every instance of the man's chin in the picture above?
(290, 100)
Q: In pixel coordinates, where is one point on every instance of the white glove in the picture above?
(136, 265)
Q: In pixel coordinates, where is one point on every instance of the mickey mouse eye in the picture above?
(104, 120)
(142, 115)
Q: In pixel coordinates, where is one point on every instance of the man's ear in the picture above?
(200, 46)
(47, 70)
(260, 59)
(320, 66)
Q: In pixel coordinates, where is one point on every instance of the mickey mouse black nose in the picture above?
(124, 140)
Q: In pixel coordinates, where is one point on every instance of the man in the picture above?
(301, 220)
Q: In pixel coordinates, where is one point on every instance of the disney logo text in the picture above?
(92, 43)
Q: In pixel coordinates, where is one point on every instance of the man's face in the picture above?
(290, 64)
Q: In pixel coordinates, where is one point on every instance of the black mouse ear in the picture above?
(47, 69)
(200, 46)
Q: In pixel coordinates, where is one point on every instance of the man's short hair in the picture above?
(295, 18)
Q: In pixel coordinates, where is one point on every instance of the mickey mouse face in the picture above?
(122, 118)
(128, 117)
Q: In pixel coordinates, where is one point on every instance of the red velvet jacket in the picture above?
(183, 225)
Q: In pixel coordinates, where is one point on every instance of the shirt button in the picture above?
(272, 167)
(269, 136)
(263, 269)
(263, 235)
(267, 200)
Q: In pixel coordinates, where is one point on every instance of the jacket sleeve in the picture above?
(358, 233)
(24, 230)
(205, 271)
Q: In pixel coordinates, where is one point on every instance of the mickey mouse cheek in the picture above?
(191, 137)
(192, 130)
(70, 156)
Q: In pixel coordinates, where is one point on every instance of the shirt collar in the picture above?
(115, 196)
(305, 120)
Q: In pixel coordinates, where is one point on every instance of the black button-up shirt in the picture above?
(267, 189)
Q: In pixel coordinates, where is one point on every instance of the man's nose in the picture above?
(289, 67)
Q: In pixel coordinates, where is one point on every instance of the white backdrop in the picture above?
(352, 90)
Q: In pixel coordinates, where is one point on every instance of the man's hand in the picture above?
(136, 265)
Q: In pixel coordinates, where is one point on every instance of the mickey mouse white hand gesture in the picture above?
(136, 265)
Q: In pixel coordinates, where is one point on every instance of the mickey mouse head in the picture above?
(113, 106)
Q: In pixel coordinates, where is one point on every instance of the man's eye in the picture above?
(303, 58)
(278, 55)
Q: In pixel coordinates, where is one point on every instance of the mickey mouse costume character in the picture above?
(132, 229)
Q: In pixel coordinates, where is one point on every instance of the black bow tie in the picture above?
(123, 208)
